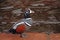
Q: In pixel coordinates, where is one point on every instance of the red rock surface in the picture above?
(30, 36)
(55, 36)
